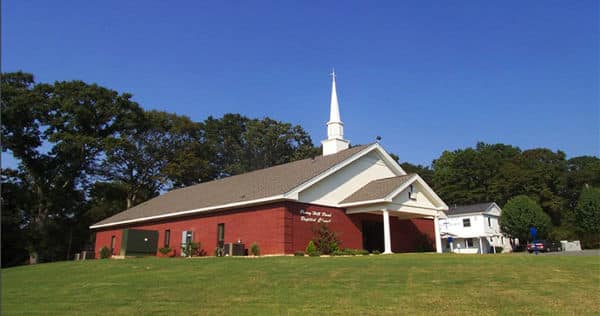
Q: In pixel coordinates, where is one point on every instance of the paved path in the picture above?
(586, 252)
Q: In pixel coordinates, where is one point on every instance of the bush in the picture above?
(363, 252)
(315, 253)
(310, 247)
(105, 253)
(299, 254)
(338, 253)
(376, 252)
(165, 250)
(498, 249)
(254, 249)
(191, 249)
(325, 240)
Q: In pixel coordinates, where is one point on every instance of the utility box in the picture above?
(138, 242)
(234, 249)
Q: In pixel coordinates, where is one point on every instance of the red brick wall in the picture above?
(302, 225)
(262, 224)
(277, 228)
(406, 234)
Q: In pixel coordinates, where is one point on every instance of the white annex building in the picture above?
(472, 229)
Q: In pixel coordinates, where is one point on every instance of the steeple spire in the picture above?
(334, 108)
(335, 141)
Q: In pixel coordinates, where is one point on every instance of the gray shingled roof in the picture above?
(471, 208)
(249, 186)
(377, 189)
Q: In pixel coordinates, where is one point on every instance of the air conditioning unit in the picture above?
(234, 249)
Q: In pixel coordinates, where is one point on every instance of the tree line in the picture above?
(85, 152)
(539, 187)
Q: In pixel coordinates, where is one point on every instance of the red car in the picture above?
(543, 246)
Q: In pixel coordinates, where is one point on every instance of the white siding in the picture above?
(347, 180)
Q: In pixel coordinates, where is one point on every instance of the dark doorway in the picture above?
(372, 235)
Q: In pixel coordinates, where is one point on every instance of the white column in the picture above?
(438, 237)
(387, 239)
(480, 246)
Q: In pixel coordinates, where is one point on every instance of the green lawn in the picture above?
(392, 284)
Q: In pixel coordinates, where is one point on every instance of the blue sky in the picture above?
(426, 76)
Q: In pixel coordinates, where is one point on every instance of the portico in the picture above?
(400, 198)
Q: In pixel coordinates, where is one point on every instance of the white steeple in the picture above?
(335, 141)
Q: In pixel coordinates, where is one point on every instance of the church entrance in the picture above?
(372, 233)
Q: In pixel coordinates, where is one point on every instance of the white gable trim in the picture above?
(390, 162)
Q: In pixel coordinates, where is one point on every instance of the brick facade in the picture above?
(278, 228)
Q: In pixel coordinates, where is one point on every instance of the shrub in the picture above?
(376, 252)
(338, 253)
(165, 250)
(310, 247)
(498, 249)
(254, 249)
(315, 253)
(363, 252)
(191, 249)
(325, 240)
(105, 253)
(299, 254)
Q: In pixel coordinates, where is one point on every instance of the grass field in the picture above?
(392, 284)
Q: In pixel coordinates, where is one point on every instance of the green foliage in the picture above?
(254, 249)
(324, 239)
(165, 250)
(310, 248)
(587, 212)
(376, 252)
(191, 249)
(105, 253)
(498, 249)
(519, 214)
(315, 254)
(299, 254)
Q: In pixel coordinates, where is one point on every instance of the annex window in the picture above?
(489, 221)
(167, 237)
(221, 234)
(113, 243)
(467, 222)
(469, 242)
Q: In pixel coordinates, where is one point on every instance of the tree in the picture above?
(475, 175)
(55, 132)
(587, 212)
(424, 171)
(160, 151)
(241, 144)
(519, 214)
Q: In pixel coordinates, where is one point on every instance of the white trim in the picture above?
(199, 210)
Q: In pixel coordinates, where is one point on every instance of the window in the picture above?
(489, 221)
(220, 234)
(113, 243)
(167, 237)
(469, 242)
(467, 222)
(411, 193)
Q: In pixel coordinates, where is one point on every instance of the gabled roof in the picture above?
(471, 208)
(263, 185)
(377, 189)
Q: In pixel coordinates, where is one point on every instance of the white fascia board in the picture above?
(401, 188)
(194, 211)
(359, 203)
(436, 197)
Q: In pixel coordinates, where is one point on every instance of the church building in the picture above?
(360, 192)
